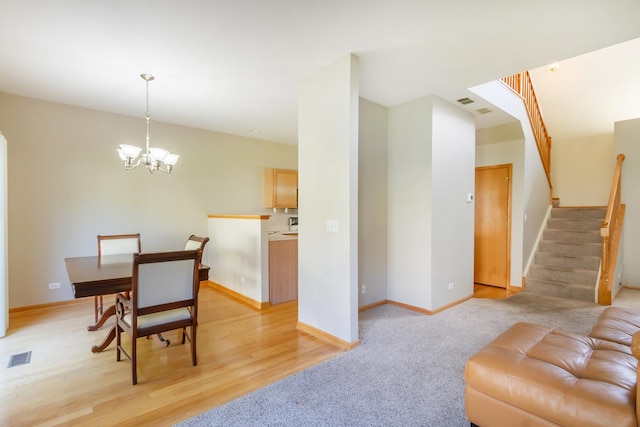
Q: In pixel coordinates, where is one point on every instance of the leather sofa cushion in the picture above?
(616, 324)
(565, 378)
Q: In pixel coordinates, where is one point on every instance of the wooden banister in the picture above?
(522, 85)
(610, 233)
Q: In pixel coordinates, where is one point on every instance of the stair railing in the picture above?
(610, 233)
(522, 85)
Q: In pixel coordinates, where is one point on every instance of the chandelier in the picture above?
(153, 158)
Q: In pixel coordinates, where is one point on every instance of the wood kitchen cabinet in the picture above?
(283, 270)
(280, 188)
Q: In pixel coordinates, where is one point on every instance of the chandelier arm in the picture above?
(136, 164)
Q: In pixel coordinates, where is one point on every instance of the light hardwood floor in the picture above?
(240, 349)
(492, 292)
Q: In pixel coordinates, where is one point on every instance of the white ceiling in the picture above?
(234, 65)
(590, 92)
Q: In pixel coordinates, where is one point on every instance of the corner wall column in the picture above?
(328, 200)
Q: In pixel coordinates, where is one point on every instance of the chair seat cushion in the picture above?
(163, 317)
(564, 378)
(616, 324)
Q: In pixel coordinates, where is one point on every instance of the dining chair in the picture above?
(164, 297)
(115, 244)
(194, 242)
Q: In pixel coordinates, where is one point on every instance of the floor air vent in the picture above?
(19, 359)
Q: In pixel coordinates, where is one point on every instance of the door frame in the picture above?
(4, 240)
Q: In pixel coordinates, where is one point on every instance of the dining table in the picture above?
(90, 276)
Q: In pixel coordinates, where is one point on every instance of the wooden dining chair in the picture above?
(115, 244)
(195, 242)
(164, 297)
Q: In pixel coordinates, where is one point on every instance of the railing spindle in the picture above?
(522, 85)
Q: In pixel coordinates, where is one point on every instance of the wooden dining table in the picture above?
(106, 275)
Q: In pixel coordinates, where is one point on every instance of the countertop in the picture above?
(282, 235)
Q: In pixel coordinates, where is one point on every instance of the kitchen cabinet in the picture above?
(283, 270)
(280, 188)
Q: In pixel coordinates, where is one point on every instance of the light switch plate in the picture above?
(332, 225)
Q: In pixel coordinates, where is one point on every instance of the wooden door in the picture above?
(492, 252)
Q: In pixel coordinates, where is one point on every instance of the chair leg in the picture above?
(134, 359)
(118, 342)
(160, 340)
(193, 345)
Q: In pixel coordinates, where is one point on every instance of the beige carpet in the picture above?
(408, 370)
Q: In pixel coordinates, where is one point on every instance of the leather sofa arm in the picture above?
(635, 350)
(635, 345)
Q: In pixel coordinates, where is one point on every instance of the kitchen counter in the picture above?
(282, 235)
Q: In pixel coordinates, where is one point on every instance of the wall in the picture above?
(453, 177)
(536, 194)
(372, 202)
(510, 152)
(328, 191)
(582, 170)
(431, 171)
(627, 142)
(409, 203)
(4, 240)
(67, 185)
(238, 254)
(536, 197)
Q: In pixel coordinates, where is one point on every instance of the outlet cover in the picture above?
(55, 285)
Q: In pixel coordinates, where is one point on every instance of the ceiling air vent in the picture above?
(483, 110)
(465, 101)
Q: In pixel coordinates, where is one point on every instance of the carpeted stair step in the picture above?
(566, 275)
(579, 213)
(567, 262)
(561, 290)
(549, 259)
(575, 249)
(572, 236)
(574, 224)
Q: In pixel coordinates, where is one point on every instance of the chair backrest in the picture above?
(117, 244)
(165, 280)
(195, 242)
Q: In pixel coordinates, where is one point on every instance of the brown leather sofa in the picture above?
(532, 375)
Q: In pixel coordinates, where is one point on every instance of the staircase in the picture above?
(568, 258)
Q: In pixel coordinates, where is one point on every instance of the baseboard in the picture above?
(324, 336)
(238, 296)
(374, 305)
(80, 301)
(429, 312)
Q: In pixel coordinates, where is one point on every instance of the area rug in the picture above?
(407, 371)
